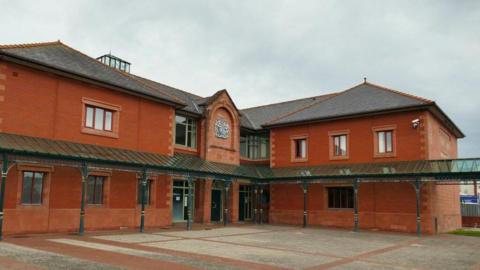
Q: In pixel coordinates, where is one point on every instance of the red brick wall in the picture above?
(383, 206)
(361, 140)
(45, 105)
(60, 209)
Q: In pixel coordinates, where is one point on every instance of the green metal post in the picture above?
(143, 191)
(255, 203)
(225, 209)
(2, 190)
(355, 204)
(305, 191)
(189, 203)
(260, 204)
(417, 195)
(84, 172)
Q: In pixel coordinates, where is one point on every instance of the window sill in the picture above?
(95, 206)
(186, 148)
(339, 157)
(251, 159)
(299, 160)
(387, 155)
(102, 133)
(223, 148)
(340, 209)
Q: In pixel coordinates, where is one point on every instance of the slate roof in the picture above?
(59, 56)
(361, 99)
(254, 118)
(19, 147)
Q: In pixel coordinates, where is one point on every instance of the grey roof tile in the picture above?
(59, 56)
(363, 98)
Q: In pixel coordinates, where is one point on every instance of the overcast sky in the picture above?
(269, 51)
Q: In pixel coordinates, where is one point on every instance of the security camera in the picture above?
(415, 123)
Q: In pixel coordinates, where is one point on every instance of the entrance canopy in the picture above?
(19, 148)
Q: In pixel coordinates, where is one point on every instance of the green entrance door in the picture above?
(216, 209)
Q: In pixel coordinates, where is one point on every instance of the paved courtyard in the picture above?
(241, 247)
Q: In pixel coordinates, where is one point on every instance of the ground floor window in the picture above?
(95, 189)
(32, 187)
(148, 192)
(340, 197)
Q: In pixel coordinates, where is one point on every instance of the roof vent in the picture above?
(115, 62)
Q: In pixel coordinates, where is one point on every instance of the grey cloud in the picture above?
(268, 51)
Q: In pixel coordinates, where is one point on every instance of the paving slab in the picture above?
(251, 254)
(213, 232)
(49, 260)
(318, 241)
(435, 253)
(135, 238)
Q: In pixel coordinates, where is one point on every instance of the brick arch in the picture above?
(215, 149)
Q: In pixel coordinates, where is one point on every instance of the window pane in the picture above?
(99, 190)
(303, 144)
(91, 190)
(89, 117)
(37, 188)
(108, 120)
(180, 134)
(99, 113)
(381, 142)
(27, 187)
(389, 147)
(343, 145)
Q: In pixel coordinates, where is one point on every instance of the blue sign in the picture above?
(469, 199)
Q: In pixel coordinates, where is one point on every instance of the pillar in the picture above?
(225, 209)
(417, 196)
(84, 171)
(355, 204)
(143, 200)
(234, 200)
(190, 203)
(2, 191)
(305, 191)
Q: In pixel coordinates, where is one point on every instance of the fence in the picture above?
(470, 210)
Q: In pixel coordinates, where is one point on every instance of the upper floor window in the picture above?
(95, 186)
(299, 149)
(98, 118)
(254, 146)
(385, 141)
(32, 187)
(185, 131)
(340, 145)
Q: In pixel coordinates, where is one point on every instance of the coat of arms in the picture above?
(222, 129)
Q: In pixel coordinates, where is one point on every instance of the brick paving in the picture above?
(240, 247)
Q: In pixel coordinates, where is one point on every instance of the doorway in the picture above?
(180, 200)
(245, 203)
(216, 209)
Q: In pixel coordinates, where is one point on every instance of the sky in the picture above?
(271, 51)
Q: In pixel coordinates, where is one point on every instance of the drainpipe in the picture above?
(2, 191)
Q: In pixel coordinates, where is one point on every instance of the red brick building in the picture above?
(69, 105)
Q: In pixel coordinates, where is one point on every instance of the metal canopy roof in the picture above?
(74, 153)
